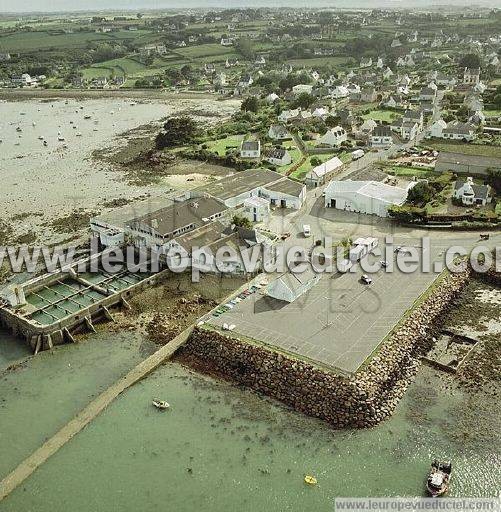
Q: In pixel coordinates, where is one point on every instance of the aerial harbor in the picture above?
(250, 256)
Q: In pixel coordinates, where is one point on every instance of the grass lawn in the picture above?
(295, 154)
(468, 149)
(400, 170)
(381, 115)
(221, 145)
(204, 50)
(492, 113)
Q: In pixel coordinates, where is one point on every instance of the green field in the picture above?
(381, 115)
(221, 145)
(301, 171)
(204, 50)
(319, 62)
(492, 113)
(468, 149)
(399, 170)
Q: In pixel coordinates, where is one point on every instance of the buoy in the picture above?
(310, 480)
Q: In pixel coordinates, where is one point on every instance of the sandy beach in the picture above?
(45, 181)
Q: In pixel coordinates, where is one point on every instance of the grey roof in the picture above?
(382, 130)
(178, 215)
(287, 186)
(201, 237)
(250, 145)
(277, 153)
(480, 191)
(240, 182)
(412, 114)
(459, 128)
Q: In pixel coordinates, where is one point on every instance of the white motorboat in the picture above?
(160, 404)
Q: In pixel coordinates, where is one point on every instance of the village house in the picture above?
(366, 62)
(414, 116)
(436, 129)
(4, 57)
(227, 41)
(368, 126)
(428, 94)
(287, 115)
(409, 130)
(278, 156)
(459, 131)
(278, 132)
(250, 149)
(381, 136)
(472, 194)
(302, 89)
(271, 98)
(471, 76)
(333, 137)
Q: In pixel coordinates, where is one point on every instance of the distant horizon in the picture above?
(17, 7)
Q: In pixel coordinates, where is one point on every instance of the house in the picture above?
(227, 41)
(287, 115)
(409, 130)
(478, 118)
(366, 62)
(428, 94)
(437, 128)
(99, 82)
(414, 116)
(260, 60)
(271, 98)
(320, 112)
(245, 81)
(381, 137)
(333, 137)
(379, 63)
(22, 80)
(396, 43)
(340, 91)
(231, 62)
(472, 194)
(302, 89)
(369, 197)
(393, 101)
(250, 149)
(459, 131)
(256, 209)
(387, 73)
(466, 164)
(290, 286)
(444, 80)
(367, 126)
(471, 76)
(278, 157)
(321, 173)
(278, 132)
(4, 57)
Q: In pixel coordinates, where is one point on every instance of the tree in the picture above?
(314, 161)
(332, 121)
(470, 60)
(421, 193)
(241, 222)
(494, 179)
(304, 100)
(177, 131)
(244, 47)
(250, 104)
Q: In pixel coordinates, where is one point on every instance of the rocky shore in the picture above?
(362, 400)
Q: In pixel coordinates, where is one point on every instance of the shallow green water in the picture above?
(222, 448)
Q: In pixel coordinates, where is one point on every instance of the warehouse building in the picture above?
(369, 197)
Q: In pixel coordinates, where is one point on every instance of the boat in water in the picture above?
(161, 404)
(437, 483)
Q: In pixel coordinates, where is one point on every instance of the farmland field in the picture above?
(320, 61)
(221, 145)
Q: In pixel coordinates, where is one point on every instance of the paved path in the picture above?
(37, 458)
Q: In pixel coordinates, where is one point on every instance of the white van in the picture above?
(358, 153)
(306, 230)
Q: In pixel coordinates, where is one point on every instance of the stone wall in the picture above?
(362, 400)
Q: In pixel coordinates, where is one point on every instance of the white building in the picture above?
(381, 137)
(319, 174)
(250, 149)
(302, 89)
(290, 286)
(437, 128)
(333, 137)
(471, 193)
(369, 197)
(278, 157)
(256, 209)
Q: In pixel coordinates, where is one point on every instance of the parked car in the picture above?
(366, 279)
(383, 263)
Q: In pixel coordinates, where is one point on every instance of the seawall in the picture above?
(361, 400)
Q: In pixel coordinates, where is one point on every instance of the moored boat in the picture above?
(161, 404)
(437, 483)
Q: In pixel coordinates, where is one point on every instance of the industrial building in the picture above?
(370, 197)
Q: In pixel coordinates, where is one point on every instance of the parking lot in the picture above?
(339, 322)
